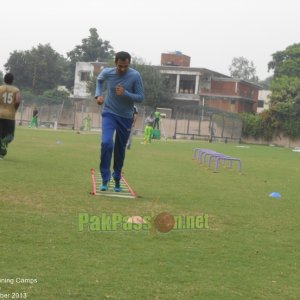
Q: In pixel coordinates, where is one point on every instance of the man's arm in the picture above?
(138, 94)
(99, 88)
(18, 100)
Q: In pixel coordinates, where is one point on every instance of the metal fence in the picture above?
(207, 123)
(194, 122)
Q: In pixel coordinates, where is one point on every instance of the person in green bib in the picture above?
(156, 120)
(34, 119)
(148, 130)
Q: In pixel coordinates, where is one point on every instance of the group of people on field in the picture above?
(124, 88)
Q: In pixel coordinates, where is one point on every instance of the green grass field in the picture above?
(251, 249)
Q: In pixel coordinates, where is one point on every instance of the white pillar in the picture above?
(177, 83)
(197, 84)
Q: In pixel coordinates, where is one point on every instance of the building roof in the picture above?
(191, 70)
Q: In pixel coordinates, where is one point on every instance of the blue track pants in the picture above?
(121, 126)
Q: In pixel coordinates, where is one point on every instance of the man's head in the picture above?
(122, 61)
(8, 78)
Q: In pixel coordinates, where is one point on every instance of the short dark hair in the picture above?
(8, 78)
(122, 55)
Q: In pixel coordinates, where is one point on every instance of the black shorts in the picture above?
(7, 127)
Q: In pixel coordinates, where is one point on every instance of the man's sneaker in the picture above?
(104, 186)
(117, 187)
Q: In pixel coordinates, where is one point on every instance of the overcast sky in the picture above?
(211, 32)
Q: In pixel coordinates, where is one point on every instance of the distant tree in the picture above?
(48, 97)
(286, 62)
(242, 68)
(266, 83)
(1, 77)
(56, 96)
(283, 116)
(38, 69)
(92, 49)
(285, 85)
(285, 89)
(29, 98)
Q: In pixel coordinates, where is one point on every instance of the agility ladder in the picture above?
(127, 191)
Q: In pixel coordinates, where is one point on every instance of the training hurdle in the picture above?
(127, 191)
(201, 155)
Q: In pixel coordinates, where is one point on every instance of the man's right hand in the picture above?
(100, 100)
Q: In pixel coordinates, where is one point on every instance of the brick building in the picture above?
(232, 95)
(175, 59)
(193, 86)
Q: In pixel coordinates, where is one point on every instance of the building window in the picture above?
(84, 76)
(187, 84)
(232, 101)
